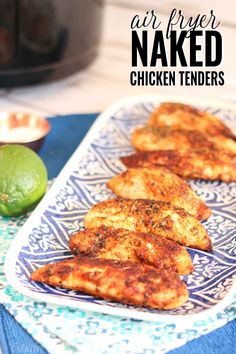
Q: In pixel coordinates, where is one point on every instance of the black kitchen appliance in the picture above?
(43, 40)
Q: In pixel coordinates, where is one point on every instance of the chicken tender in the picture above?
(159, 183)
(120, 244)
(126, 282)
(165, 138)
(183, 116)
(194, 164)
(149, 216)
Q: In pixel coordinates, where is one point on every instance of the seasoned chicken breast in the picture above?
(149, 216)
(159, 183)
(183, 116)
(126, 282)
(120, 244)
(165, 138)
(194, 164)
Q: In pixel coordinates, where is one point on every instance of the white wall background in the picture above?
(108, 78)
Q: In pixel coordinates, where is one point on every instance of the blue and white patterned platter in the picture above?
(82, 183)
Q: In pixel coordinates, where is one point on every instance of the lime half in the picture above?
(23, 179)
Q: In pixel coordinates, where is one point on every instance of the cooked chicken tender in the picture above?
(183, 116)
(194, 164)
(165, 138)
(120, 244)
(126, 282)
(159, 183)
(149, 216)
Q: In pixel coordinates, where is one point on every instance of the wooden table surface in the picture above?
(107, 79)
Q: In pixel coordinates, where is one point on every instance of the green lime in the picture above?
(23, 179)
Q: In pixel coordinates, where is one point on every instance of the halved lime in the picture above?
(23, 179)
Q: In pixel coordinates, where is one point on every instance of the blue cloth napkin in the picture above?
(67, 132)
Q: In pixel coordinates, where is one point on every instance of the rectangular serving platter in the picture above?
(82, 183)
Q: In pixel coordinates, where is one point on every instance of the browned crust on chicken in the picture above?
(203, 164)
(159, 183)
(149, 216)
(120, 244)
(183, 116)
(166, 138)
(126, 282)
(150, 138)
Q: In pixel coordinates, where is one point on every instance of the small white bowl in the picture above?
(24, 129)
